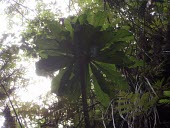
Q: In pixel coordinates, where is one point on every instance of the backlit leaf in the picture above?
(105, 85)
(166, 93)
(101, 96)
(52, 63)
(55, 84)
(111, 74)
(118, 58)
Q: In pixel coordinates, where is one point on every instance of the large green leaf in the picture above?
(56, 28)
(103, 38)
(112, 57)
(111, 36)
(101, 96)
(114, 39)
(82, 19)
(105, 85)
(123, 35)
(97, 19)
(65, 82)
(74, 89)
(55, 84)
(68, 22)
(47, 43)
(70, 84)
(66, 46)
(46, 53)
(52, 64)
(52, 47)
(166, 93)
(114, 46)
(137, 62)
(110, 72)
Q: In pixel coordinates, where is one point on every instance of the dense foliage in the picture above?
(109, 64)
(10, 77)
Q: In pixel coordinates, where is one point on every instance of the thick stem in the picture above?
(83, 76)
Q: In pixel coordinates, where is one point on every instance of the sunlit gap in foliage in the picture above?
(37, 85)
(2, 119)
(37, 93)
(37, 90)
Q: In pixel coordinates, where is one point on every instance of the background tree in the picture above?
(120, 47)
(10, 74)
(150, 27)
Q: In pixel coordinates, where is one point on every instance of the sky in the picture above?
(38, 85)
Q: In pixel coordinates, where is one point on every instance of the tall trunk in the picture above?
(83, 79)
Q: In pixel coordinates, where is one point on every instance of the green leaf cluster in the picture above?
(135, 103)
(166, 98)
(80, 41)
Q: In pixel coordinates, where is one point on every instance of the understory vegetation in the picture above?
(109, 64)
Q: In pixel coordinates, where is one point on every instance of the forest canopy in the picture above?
(108, 63)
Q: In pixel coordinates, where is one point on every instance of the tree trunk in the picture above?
(83, 79)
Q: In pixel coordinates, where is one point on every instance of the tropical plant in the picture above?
(86, 56)
(149, 22)
(91, 54)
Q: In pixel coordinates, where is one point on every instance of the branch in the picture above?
(23, 6)
(12, 105)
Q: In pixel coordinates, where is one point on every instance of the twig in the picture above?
(113, 117)
(150, 85)
(155, 115)
(103, 121)
(21, 117)
(23, 6)
(12, 105)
